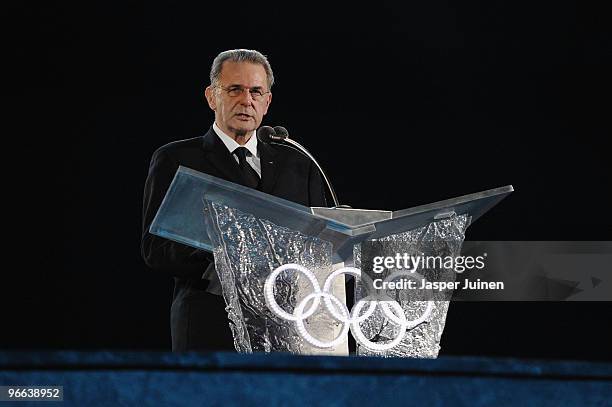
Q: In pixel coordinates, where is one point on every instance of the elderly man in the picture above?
(240, 95)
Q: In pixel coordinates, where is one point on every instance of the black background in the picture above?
(402, 104)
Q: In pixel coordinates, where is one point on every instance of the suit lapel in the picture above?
(270, 162)
(220, 158)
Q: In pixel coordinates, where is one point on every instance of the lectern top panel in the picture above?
(181, 214)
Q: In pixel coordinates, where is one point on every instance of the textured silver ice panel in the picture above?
(246, 251)
(440, 238)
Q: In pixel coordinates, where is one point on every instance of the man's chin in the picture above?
(242, 131)
(243, 128)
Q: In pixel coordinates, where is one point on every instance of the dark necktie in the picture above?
(249, 174)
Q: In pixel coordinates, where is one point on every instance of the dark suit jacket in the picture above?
(198, 319)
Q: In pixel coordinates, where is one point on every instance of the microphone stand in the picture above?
(267, 134)
(303, 150)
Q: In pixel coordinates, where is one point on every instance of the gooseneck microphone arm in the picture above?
(329, 185)
(279, 133)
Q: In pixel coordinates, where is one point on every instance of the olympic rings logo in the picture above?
(350, 320)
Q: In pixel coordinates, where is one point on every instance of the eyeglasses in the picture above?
(235, 91)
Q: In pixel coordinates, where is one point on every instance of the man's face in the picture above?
(239, 113)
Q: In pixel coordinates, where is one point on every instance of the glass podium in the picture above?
(252, 233)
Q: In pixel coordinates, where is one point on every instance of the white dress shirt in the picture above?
(251, 145)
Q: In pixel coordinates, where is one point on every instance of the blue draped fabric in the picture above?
(203, 379)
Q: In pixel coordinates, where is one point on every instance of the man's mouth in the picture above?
(243, 116)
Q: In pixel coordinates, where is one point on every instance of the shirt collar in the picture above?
(231, 144)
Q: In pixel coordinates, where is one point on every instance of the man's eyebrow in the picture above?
(237, 85)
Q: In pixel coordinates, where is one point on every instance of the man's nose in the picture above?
(246, 98)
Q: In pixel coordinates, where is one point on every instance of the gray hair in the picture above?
(240, 55)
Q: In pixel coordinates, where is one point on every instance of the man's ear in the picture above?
(210, 97)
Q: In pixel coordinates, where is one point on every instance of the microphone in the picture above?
(281, 132)
(267, 134)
